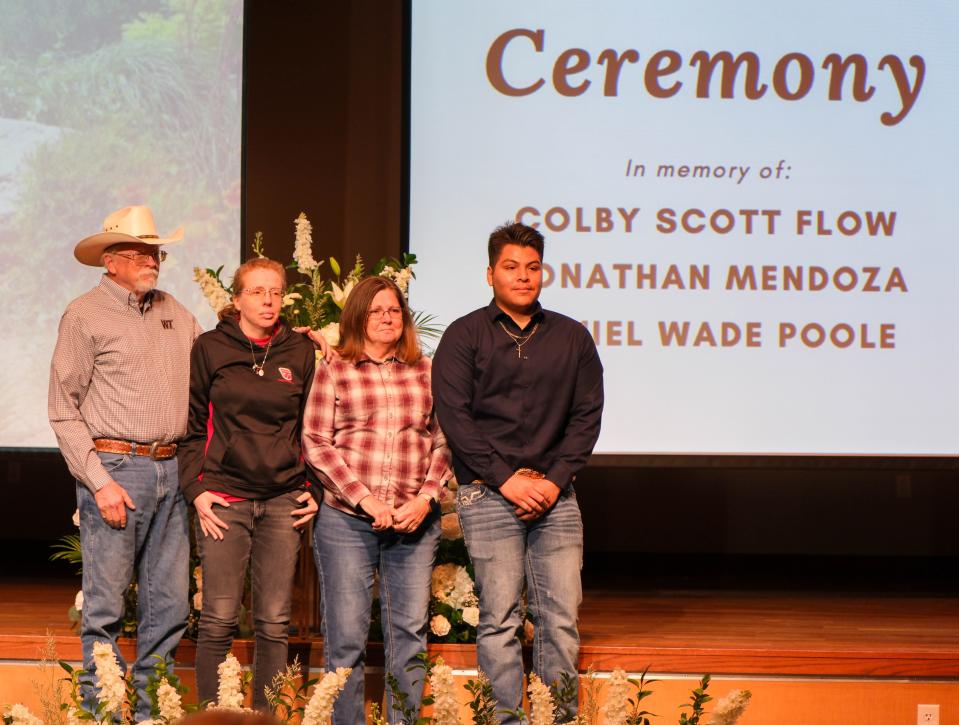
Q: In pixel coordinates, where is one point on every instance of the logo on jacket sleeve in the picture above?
(286, 374)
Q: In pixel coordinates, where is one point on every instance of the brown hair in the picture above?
(241, 272)
(356, 311)
(513, 233)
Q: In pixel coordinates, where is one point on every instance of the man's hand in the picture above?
(408, 517)
(113, 502)
(306, 513)
(549, 492)
(325, 348)
(210, 523)
(381, 513)
(522, 491)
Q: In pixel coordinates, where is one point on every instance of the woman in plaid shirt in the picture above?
(370, 434)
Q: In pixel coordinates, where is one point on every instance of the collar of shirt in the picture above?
(124, 296)
(364, 358)
(496, 314)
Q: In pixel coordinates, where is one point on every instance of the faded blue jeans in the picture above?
(545, 555)
(348, 552)
(261, 535)
(153, 550)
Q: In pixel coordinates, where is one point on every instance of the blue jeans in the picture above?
(261, 535)
(348, 553)
(153, 550)
(545, 555)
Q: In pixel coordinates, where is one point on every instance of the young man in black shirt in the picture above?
(519, 394)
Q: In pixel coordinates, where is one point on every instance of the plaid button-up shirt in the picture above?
(119, 373)
(370, 428)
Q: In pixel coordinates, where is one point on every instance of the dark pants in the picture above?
(261, 534)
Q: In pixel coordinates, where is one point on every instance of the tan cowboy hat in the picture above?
(129, 224)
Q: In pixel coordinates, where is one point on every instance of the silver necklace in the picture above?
(520, 340)
(258, 367)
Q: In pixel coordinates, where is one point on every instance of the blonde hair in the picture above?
(241, 272)
(356, 311)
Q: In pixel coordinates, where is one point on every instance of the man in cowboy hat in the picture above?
(118, 404)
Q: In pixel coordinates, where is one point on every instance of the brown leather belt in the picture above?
(528, 472)
(156, 450)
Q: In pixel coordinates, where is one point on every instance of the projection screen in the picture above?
(104, 105)
(749, 205)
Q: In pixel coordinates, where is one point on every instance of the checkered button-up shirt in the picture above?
(370, 428)
(119, 373)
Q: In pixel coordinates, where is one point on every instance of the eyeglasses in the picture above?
(380, 312)
(261, 292)
(140, 258)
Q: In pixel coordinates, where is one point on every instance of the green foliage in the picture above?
(29, 28)
(68, 549)
(698, 699)
(482, 704)
(287, 693)
(565, 694)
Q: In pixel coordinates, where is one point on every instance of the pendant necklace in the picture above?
(258, 367)
(520, 340)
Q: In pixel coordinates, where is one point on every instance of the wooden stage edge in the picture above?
(760, 633)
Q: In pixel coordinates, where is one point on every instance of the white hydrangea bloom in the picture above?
(109, 678)
(452, 585)
(78, 601)
(21, 715)
(320, 707)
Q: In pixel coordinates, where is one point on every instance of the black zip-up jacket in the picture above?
(254, 449)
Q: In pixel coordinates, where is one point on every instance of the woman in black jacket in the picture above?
(249, 380)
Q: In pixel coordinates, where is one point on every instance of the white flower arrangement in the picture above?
(729, 709)
(316, 302)
(21, 715)
(445, 705)
(211, 287)
(452, 585)
(78, 601)
(320, 707)
(616, 709)
(169, 702)
(229, 694)
(303, 245)
(542, 708)
(440, 625)
(471, 616)
(109, 679)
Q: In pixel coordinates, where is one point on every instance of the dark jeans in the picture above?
(261, 534)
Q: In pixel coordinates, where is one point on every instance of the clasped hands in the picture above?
(404, 520)
(533, 497)
(213, 525)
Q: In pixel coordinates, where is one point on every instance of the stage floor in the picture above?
(736, 632)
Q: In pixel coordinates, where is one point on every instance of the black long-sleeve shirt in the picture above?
(501, 412)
